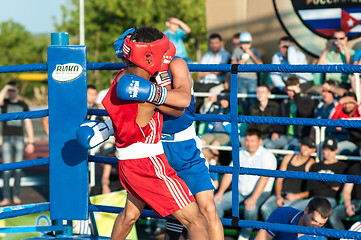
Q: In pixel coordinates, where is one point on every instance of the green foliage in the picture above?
(18, 46)
(105, 20)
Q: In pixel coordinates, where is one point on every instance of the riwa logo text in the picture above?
(67, 72)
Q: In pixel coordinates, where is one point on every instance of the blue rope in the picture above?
(105, 66)
(275, 68)
(23, 115)
(341, 178)
(24, 68)
(294, 229)
(204, 67)
(16, 211)
(263, 120)
(342, 68)
(24, 164)
(324, 177)
(110, 209)
(98, 112)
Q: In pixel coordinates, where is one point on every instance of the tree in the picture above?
(106, 20)
(18, 46)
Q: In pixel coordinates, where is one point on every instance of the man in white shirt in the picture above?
(253, 190)
(289, 55)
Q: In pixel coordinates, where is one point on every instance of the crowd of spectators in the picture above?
(333, 98)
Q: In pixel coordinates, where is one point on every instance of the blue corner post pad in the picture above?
(60, 38)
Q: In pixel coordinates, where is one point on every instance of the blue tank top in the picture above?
(172, 124)
(177, 124)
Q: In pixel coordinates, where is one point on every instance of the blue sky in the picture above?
(35, 15)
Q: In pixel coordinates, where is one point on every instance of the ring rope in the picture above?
(24, 164)
(341, 178)
(23, 115)
(16, 211)
(24, 68)
(110, 209)
(264, 120)
(344, 68)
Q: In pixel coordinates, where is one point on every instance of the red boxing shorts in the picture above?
(154, 182)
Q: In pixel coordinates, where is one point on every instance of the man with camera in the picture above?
(336, 52)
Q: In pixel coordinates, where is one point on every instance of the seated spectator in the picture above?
(216, 133)
(235, 42)
(348, 109)
(337, 52)
(253, 190)
(265, 108)
(327, 105)
(289, 191)
(298, 105)
(315, 214)
(351, 195)
(330, 165)
(246, 54)
(215, 55)
(289, 55)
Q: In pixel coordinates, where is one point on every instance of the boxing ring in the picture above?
(67, 68)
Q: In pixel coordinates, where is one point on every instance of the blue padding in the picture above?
(67, 110)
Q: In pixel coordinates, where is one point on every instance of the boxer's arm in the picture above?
(180, 95)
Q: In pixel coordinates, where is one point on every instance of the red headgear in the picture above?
(148, 56)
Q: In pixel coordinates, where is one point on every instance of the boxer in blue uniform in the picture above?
(183, 150)
(315, 214)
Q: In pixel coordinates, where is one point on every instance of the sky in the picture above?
(35, 15)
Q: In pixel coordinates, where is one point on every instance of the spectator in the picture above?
(329, 91)
(348, 109)
(351, 195)
(336, 52)
(176, 32)
(235, 42)
(209, 80)
(92, 95)
(13, 139)
(289, 191)
(315, 214)
(103, 92)
(289, 55)
(298, 105)
(253, 190)
(330, 165)
(217, 133)
(265, 108)
(246, 54)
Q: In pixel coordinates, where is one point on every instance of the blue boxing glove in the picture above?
(118, 45)
(133, 87)
(92, 133)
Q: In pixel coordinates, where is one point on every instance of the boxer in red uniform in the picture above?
(143, 168)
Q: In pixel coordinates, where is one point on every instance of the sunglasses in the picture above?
(334, 38)
(11, 90)
(245, 42)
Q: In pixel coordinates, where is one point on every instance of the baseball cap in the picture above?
(307, 141)
(330, 143)
(245, 37)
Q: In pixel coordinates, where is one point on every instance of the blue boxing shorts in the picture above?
(186, 158)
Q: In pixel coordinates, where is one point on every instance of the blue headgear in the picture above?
(118, 45)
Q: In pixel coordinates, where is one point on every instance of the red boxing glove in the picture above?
(163, 79)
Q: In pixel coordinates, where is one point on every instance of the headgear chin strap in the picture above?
(148, 56)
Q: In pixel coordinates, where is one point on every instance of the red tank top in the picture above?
(124, 115)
